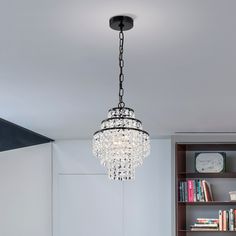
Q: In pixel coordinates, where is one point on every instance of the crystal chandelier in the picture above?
(121, 144)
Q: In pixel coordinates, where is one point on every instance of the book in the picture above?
(231, 220)
(235, 219)
(206, 225)
(204, 229)
(225, 220)
(194, 191)
(220, 221)
(185, 191)
(181, 191)
(190, 191)
(207, 191)
(202, 192)
(207, 221)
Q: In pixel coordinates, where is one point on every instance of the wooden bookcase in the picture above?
(187, 212)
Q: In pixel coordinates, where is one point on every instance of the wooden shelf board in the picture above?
(205, 231)
(207, 175)
(230, 203)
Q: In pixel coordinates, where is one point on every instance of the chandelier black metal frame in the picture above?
(121, 144)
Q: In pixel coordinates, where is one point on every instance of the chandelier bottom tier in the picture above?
(121, 144)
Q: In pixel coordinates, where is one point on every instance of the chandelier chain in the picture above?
(121, 103)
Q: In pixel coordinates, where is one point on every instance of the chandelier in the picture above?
(121, 144)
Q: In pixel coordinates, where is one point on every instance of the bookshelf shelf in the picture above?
(194, 175)
(205, 231)
(222, 183)
(218, 203)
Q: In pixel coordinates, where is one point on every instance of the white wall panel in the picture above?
(86, 203)
(147, 200)
(25, 191)
(75, 156)
(89, 205)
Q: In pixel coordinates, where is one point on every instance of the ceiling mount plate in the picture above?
(116, 22)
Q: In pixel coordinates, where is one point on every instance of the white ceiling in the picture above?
(59, 68)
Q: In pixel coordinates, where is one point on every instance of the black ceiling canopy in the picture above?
(13, 136)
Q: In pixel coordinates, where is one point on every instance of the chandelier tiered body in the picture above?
(121, 144)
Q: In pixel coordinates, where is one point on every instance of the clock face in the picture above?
(209, 162)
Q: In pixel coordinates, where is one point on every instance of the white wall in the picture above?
(25, 191)
(86, 203)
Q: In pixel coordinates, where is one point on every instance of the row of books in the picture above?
(205, 224)
(195, 190)
(227, 220)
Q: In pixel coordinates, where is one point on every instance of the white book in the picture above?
(220, 221)
(206, 225)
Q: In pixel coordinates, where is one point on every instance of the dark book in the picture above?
(180, 191)
(185, 192)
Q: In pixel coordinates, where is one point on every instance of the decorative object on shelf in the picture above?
(121, 144)
(232, 195)
(210, 162)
